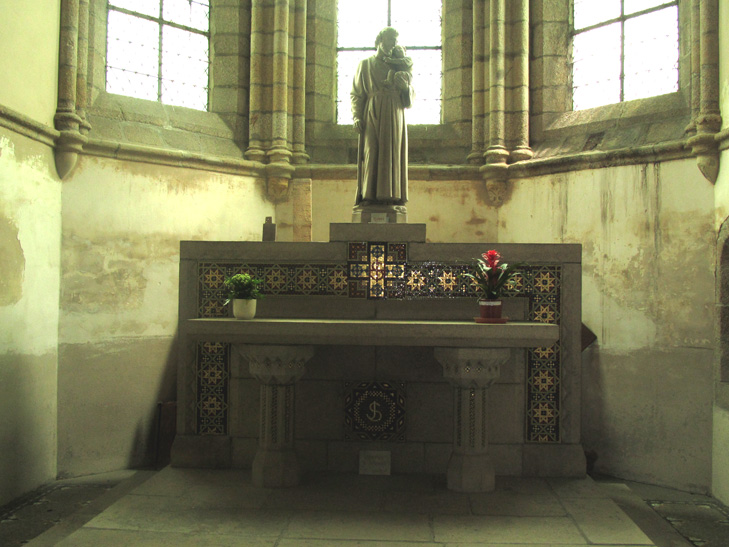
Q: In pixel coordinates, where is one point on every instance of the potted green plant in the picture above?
(491, 276)
(242, 290)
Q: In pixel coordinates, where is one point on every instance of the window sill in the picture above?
(132, 121)
(630, 124)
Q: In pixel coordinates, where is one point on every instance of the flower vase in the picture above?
(244, 308)
(490, 312)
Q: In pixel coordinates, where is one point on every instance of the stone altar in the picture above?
(378, 304)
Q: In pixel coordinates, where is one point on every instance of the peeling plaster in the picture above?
(12, 263)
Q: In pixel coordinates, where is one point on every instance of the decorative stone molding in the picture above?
(705, 87)
(277, 368)
(471, 371)
(70, 117)
(278, 90)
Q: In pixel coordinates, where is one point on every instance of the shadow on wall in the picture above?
(156, 431)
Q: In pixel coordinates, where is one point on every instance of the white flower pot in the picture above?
(244, 308)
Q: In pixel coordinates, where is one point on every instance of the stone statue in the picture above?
(381, 92)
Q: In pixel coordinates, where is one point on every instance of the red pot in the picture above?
(490, 309)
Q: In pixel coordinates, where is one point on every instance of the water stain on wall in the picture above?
(111, 274)
(12, 263)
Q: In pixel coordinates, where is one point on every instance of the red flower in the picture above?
(492, 258)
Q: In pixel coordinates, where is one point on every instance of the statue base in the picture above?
(379, 213)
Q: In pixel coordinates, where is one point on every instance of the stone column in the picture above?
(277, 368)
(70, 142)
(299, 84)
(471, 371)
(83, 65)
(496, 152)
(708, 123)
(479, 114)
(520, 83)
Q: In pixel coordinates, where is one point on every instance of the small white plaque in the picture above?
(378, 218)
(374, 462)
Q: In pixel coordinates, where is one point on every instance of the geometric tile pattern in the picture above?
(212, 376)
(380, 270)
(374, 411)
(278, 279)
(541, 285)
(376, 270)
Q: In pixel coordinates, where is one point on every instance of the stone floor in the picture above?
(207, 507)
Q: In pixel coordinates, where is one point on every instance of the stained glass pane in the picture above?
(190, 13)
(591, 12)
(634, 6)
(417, 21)
(184, 68)
(427, 82)
(145, 7)
(360, 22)
(132, 56)
(596, 68)
(347, 62)
(651, 54)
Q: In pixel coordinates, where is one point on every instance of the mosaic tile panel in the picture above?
(211, 382)
(376, 269)
(278, 279)
(542, 286)
(374, 411)
(380, 270)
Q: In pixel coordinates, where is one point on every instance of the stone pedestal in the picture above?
(471, 371)
(380, 214)
(277, 368)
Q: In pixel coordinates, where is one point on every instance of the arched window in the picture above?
(623, 50)
(158, 50)
(418, 23)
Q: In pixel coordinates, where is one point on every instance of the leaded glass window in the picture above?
(623, 50)
(418, 23)
(158, 50)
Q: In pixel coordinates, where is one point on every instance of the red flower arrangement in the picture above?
(491, 275)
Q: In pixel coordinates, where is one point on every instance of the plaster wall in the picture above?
(648, 291)
(29, 41)
(648, 238)
(453, 210)
(30, 227)
(122, 224)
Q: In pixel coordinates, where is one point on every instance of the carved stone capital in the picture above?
(706, 150)
(69, 145)
(278, 179)
(276, 365)
(471, 367)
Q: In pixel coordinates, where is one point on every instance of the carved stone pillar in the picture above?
(71, 140)
(278, 91)
(708, 122)
(277, 368)
(471, 371)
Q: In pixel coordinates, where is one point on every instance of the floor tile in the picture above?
(576, 488)
(87, 537)
(441, 502)
(508, 503)
(162, 514)
(370, 526)
(603, 522)
(488, 530)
